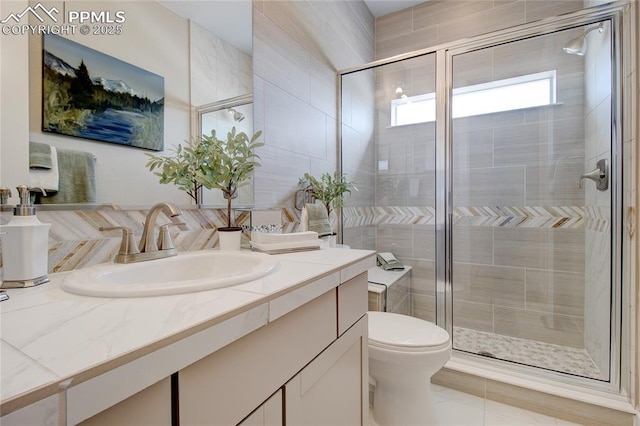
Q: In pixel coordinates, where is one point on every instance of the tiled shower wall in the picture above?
(297, 48)
(519, 237)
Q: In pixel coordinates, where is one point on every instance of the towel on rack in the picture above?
(40, 156)
(314, 217)
(47, 179)
(77, 178)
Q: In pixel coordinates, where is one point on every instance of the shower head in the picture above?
(578, 46)
(237, 116)
(398, 90)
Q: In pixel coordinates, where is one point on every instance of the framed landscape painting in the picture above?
(91, 95)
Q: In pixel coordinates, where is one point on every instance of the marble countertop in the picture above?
(51, 339)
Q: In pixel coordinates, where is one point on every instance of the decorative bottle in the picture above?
(25, 245)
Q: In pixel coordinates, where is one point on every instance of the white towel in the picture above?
(314, 217)
(48, 179)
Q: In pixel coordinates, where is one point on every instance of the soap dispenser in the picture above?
(25, 245)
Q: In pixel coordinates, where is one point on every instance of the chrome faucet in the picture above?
(148, 248)
(147, 243)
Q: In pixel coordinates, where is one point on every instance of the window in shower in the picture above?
(523, 91)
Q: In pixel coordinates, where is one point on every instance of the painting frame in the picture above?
(91, 95)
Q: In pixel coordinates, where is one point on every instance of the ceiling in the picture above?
(384, 7)
(228, 19)
(231, 19)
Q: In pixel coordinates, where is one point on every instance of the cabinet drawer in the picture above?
(223, 388)
(43, 413)
(152, 406)
(352, 301)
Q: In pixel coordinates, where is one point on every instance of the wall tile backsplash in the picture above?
(75, 240)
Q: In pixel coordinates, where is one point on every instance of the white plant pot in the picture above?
(229, 238)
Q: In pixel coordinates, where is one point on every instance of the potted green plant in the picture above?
(329, 189)
(235, 162)
(190, 167)
(212, 163)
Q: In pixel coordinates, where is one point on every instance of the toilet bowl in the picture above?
(404, 352)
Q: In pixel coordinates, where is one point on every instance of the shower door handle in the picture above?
(600, 175)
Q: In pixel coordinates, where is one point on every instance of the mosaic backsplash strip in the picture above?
(567, 217)
(75, 240)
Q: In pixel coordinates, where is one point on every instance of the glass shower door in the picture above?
(388, 134)
(531, 239)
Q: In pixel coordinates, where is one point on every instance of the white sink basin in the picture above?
(184, 273)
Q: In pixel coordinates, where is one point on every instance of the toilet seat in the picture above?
(403, 333)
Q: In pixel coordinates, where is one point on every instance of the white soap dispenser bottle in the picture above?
(25, 245)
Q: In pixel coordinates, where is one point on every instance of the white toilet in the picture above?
(404, 352)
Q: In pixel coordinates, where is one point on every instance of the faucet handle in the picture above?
(5, 193)
(127, 245)
(164, 238)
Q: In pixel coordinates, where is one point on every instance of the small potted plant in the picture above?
(212, 163)
(235, 162)
(190, 167)
(329, 190)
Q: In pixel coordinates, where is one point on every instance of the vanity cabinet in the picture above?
(291, 351)
(301, 351)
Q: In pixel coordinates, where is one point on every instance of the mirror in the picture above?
(202, 62)
(223, 116)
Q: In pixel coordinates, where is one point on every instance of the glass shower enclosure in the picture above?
(491, 168)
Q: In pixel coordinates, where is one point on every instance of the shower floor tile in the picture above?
(544, 355)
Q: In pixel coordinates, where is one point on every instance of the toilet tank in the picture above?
(389, 291)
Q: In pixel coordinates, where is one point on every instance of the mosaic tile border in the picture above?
(75, 240)
(557, 217)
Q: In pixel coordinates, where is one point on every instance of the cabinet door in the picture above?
(151, 407)
(268, 414)
(223, 388)
(332, 389)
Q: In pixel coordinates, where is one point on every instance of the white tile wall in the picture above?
(298, 47)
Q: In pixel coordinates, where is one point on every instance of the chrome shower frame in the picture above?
(621, 15)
